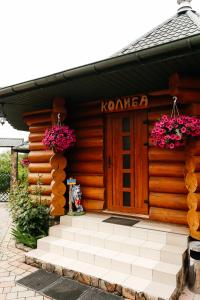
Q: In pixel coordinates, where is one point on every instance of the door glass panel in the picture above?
(126, 180)
(126, 161)
(126, 199)
(126, 124)
(126, 142)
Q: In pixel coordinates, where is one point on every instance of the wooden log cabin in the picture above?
(112, 105)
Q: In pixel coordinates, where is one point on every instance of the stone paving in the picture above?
(13, 268)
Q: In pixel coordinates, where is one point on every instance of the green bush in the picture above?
(30, 217)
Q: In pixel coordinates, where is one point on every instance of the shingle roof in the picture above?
(10, 142)
(184, 24)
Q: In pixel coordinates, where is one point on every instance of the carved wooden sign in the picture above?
(124, 104)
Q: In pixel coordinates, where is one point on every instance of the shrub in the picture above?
(30, 217)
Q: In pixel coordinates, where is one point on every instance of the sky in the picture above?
(41, 37)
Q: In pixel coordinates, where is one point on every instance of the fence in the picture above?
(4, 186)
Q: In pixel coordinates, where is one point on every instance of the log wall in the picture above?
(86, 161)
(46, 174)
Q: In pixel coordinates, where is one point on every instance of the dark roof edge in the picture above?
(177, 47)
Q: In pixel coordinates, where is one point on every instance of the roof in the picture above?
(184, 24)
(138, 71)
(10, 142)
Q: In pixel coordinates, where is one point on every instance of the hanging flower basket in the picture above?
(59, 138)
(172, 132)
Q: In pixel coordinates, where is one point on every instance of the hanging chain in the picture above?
(175, 108)
(58, 120)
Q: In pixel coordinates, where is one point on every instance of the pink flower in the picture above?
(171, 146)
(183, 129)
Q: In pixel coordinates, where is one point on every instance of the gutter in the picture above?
(141, 57)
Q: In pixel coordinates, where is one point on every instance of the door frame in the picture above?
(141, 180)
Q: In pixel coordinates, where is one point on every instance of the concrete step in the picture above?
(134, 265)
(94, 222)
(128, 284)
(127, 245)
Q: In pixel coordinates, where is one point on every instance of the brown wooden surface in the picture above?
(37, 119)
(88, 154)
(192, 182)
(92, 193)
(36, 137)
(45, 200)
(193, 109)
(162, 155)
(40, 156)
(167, 185)
(168, 200)
(35, 146)
(94, 167)
(193, 220)
(89, 142)
(94, 204)
(88, 123)
(41, 128)
(168, 215)
(90, 180)
(40, 168)
(89, 132)
(180, 81)
(193, 201)
(193, 164)
(45, 178)
(37, 112)
(168, 169)
(43, 189)
(193, 148)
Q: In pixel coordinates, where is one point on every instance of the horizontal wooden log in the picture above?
(95, 167)
(40, 167)
(167, 185)
(45, 200)
(193, 148)
(168, 215)
(88, 122)
(166, 169)
(158, 154)
(180, 81)
(36, 146)
(193, 109)
(153, 116)
(86, 104)
(92, 193)
(88, 154)
(89, 132)
(159, 101)
(37, 119)
(87, 112)
(37, 112)
(39, 128)
(89, 142)
(40, 156)
(186, 95)
(90, 205)
(168, 200)
(193, 164)
(36, 137)
(34, 178)
(89, 180)
(42, 189)
(192, 182)
(193, 201)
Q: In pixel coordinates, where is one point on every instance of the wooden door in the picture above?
(126, 162)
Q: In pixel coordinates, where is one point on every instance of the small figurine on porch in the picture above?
(74, 198)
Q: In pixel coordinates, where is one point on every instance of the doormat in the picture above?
(121, 221)
(61, 288)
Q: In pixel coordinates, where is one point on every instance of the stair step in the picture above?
(125, 263)
(128, 281)
(127, 245)
(94, 222)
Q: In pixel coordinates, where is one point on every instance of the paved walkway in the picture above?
(13, 268)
